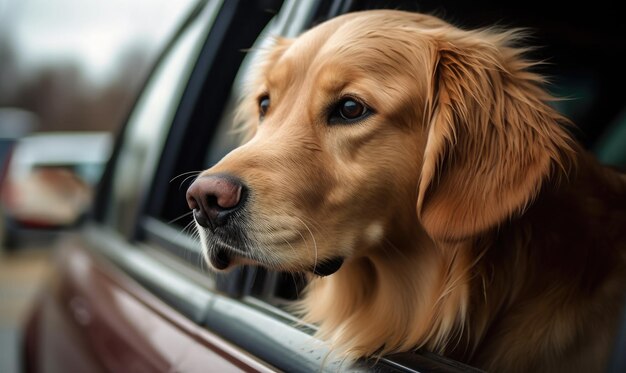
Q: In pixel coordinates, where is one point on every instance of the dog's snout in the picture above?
(214, 198)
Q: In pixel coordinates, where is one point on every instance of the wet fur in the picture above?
(471, 223)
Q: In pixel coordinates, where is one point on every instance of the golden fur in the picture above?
(470, 222)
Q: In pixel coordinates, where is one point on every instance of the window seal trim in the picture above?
(246, 322)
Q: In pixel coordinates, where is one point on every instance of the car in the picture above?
(49, 182)
(130, 290)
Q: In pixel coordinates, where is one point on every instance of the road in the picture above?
(21, 275)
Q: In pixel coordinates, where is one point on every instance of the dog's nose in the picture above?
(214, 199)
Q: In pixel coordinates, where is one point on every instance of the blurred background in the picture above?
(69, 73)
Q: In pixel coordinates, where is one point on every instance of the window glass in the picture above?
(149, 123)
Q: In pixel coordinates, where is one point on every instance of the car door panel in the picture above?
(104, 321)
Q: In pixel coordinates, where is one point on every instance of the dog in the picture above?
(421, 177)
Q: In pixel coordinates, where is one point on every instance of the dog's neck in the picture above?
(423, 294)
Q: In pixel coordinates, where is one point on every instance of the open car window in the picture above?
(182, 124)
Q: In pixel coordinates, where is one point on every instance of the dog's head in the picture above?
(373, 129)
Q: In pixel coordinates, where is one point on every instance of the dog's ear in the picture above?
(492, 137)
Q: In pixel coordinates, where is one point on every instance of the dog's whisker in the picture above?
(295, 284)
(314, 242)
(318, 227)
(192, 233)
(291, 247)
(193, 173)
(189, 228)
(180, 217)
(301, 279)
(185, 180)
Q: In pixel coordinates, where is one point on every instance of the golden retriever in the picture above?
(419, 173)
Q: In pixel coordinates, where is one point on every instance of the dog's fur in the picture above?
(470, 222)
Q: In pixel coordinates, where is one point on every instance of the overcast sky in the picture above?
(93, 33)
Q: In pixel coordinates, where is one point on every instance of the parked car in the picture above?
(130, 291)
(49, 182)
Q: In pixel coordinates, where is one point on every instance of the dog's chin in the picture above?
(225, 250)
(220, 259)
(223, 259)
(229, 247)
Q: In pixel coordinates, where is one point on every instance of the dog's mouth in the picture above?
(225, 248)
(220, 258)
(226, 251)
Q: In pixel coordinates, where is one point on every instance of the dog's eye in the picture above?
(264, 105)
(349, 110)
